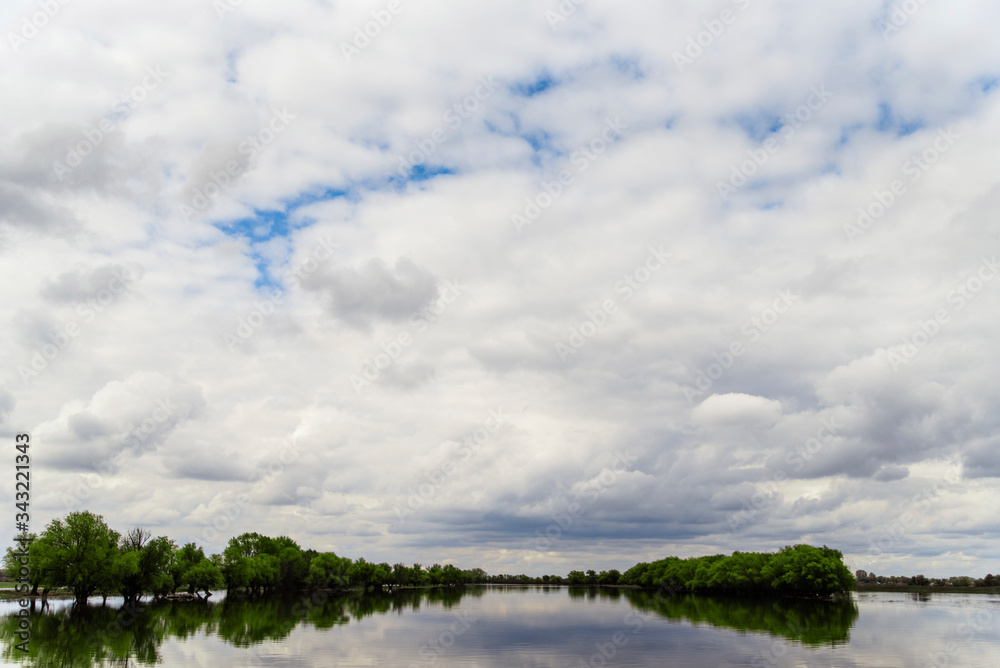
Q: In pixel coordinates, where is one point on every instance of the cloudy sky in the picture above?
(524, 285)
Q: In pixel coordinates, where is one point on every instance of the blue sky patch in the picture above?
(630, 67)
(262, 226)
(889, 121)
(417, 174)
(232, 72)
(760, 126)
(266, 224)
(542, 83)
(847, 134)
(539, 140)
(542, 143)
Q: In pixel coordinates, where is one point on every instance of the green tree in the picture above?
(329, 570)
(143, 564)
(203, 576)
(292, 567)
(184, 559)
(381, 576)
(264, 571)
(78, 553)
(361, 573)
(13, 560)
(249, 562)
(609, 577)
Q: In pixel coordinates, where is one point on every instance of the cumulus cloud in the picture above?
(87, 284)
(137, 414)
(737, 409)
(815, 353)
(374, 291)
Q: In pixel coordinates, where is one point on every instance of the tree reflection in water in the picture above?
(105, 635)
(808, 621)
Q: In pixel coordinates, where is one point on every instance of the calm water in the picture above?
(530, 626)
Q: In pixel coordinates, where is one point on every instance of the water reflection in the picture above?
(108, 635)
(810, 622)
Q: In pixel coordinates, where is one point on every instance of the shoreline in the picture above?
(927, 589)
(8, 594)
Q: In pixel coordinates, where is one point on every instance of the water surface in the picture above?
(517, 626)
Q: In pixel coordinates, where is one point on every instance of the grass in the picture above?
(7, 591)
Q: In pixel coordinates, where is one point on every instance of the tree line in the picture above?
(865, 578)
(797, 570)
(83, 554)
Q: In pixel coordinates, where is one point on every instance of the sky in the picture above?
(529, 286)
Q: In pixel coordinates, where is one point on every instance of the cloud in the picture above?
(137, 415)
(84, 284)
(847, 201)
(7, 404)
(374, 291)
(981, 459)
(738, 409)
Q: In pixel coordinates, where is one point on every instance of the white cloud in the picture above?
(322, 178)
(739, 410)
